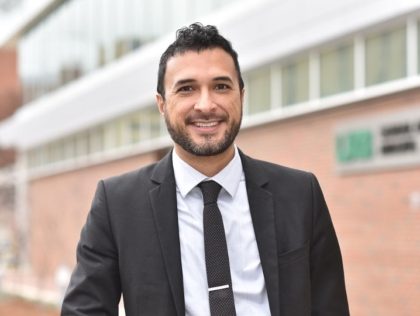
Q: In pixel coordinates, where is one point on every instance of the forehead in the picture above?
(205, 64)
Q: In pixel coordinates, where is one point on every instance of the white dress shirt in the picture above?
(246, 272)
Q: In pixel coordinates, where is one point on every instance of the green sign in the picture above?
(354, 146)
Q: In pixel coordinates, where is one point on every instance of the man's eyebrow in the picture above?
(190, 80)
(184, 81)
(223, 78)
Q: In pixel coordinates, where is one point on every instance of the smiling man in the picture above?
(207, 230)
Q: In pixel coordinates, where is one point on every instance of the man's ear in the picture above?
(242, 95)
(160, 103)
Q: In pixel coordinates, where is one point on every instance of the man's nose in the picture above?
(205, 102)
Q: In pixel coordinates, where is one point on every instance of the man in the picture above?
(150, 237)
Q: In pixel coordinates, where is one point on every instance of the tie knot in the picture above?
(210, 190)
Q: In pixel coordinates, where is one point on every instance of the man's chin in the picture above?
(207, 149)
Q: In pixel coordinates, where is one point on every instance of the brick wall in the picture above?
(378, 229)
(58, 208)
(10, 92)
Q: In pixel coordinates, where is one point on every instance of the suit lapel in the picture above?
(262, 213)
(163, 200)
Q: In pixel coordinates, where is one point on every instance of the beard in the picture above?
(210, 147)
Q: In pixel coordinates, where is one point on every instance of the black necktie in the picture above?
(217, 259)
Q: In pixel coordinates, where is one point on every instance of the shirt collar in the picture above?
(187, 177)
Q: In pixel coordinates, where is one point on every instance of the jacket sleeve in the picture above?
(94, 287)
(327, 276)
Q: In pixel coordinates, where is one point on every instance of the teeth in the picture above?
(205, 124)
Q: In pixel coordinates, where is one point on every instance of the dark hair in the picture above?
(196, 37)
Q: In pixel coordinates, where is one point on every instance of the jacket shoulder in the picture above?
(125, 184)
(260, 168)
(276, 168)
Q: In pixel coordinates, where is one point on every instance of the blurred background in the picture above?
(332, 87)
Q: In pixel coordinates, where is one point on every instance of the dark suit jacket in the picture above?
(130, 245)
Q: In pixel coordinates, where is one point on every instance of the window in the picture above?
(386, 56)
(124, 133)
(82, 144)
(337, 70)
(34, 157)
(155, 120)
(55, 151)
(134, 127)
(110, 135)
(79, 36)
(96, 139)
(69, 147)
(259, 90)
(295, 82)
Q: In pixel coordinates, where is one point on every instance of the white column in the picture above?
(359, 62)
(314, 79)
(22, 208)
(412, 47)
(275, 88)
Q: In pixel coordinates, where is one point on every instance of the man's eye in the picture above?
(222, 86)
(185, 89)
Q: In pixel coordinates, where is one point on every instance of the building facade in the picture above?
(331, 87)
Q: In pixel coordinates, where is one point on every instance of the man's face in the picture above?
(203, 102)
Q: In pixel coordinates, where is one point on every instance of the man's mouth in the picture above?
(206, 124)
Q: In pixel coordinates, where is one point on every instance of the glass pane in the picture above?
(259, 90)
(128, 129)
(96, 139)
(110, 136)
(55, 151)
(69, 148)
(386, 56)
(295, 82)
(145, 124)
(337, 70)
(82, 144)
(121, 129)
(134, 127)
(34, 158)
(155, 122)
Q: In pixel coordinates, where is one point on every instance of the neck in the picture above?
(207, 165)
